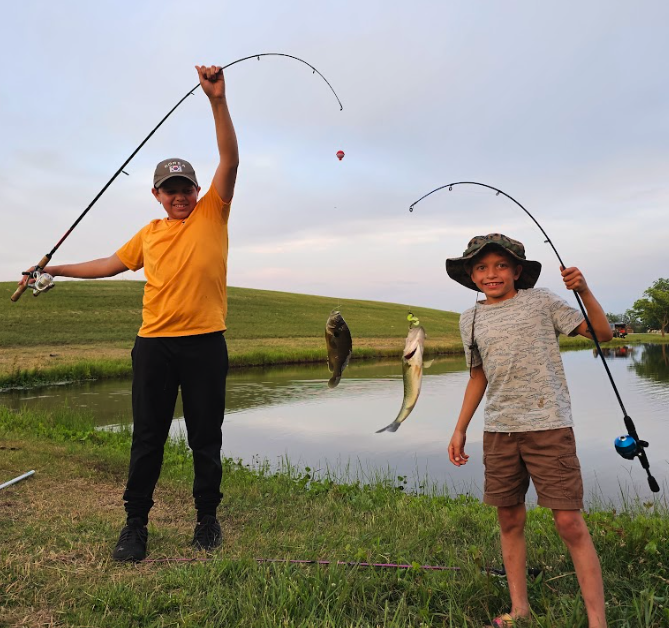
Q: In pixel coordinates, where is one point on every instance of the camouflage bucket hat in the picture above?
(456, 267)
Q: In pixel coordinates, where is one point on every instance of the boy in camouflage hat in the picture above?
(511, 347)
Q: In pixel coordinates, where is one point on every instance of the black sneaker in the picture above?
(208, 533)
(131, 544)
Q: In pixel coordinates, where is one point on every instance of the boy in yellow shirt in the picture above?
(180, 342)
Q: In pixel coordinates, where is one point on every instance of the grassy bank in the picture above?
(85, 329)
(60, 525)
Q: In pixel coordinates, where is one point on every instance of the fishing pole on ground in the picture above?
(629, 446)
(17, 479)
(44, 281)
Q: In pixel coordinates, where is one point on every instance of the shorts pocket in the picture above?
(571, 481)
(569, 462)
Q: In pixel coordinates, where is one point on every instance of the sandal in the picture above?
(507, 621)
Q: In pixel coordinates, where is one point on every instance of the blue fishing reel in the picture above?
(628, 447)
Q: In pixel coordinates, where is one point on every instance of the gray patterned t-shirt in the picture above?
(517, 345)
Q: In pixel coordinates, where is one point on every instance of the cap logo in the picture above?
(173, 168)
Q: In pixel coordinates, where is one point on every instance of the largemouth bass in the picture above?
(412, 374)
(339, 345)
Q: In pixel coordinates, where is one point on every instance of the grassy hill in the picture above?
(92, 325)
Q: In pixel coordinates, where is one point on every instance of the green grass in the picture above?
(85, 329)
(58, 529)
(81, 312)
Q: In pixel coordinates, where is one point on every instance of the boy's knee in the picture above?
(512, 518)
(570, 525)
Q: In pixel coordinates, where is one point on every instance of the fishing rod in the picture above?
(44, 281)
(629, 446)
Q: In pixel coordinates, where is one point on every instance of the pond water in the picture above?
(290, 414)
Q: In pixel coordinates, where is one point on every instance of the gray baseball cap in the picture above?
(174, 167)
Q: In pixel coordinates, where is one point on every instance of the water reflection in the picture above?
(610, 353)
(289, 412)
(110, 401)
(653, 363)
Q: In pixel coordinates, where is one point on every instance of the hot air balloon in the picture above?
(340, 155)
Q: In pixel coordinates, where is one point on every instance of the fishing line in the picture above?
(36, 272)
(629, 446)
(531, 571)
(295, 561)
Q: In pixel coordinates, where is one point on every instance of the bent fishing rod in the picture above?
(629, 446)
(44, 281)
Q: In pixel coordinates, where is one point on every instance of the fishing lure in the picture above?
(629, 446)
(37, 270)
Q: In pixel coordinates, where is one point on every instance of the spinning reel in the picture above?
(43, 282)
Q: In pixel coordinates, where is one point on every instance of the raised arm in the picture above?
(213, 85)
(574, 280)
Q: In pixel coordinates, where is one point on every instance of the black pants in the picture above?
(199, 364)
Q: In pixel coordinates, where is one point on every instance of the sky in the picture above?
(562, 105)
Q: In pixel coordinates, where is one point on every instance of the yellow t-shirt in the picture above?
(185, 263)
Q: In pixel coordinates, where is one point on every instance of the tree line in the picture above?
(649, 313)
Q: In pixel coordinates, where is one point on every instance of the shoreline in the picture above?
(48, 365)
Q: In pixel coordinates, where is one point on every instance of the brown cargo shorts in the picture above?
(547, 457)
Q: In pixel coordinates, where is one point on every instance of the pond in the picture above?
(289, 413)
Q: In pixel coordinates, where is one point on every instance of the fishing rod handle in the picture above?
(24, 286)
(19, 291)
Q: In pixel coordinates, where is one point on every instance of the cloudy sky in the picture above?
(563, 105)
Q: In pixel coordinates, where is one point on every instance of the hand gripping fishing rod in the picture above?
(43, 281)
(629, 446)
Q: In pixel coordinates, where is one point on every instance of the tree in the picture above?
(653, 311)
(631, 322)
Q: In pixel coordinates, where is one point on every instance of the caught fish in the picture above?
(412, 374)
(339, 345)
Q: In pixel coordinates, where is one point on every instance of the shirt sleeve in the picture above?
(132, 252)
(565, 318)
(472, 355)
(212, 205)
